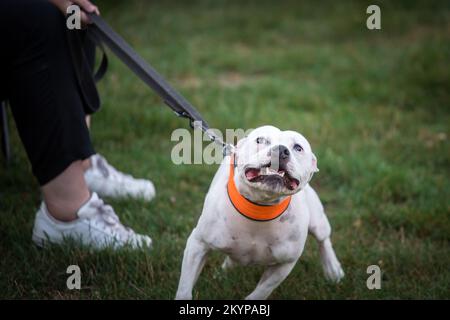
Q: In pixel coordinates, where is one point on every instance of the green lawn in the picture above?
(375, 106)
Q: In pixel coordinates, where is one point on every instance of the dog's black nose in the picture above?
(283, 152)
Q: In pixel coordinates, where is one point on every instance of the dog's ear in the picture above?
(314, 163)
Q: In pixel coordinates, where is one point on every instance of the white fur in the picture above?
(276, 244)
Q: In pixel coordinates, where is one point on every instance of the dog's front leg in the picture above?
(330, 263)
(193, 262)
(320, 228)
(271, 279)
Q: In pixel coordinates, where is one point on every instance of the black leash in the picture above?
(100, 30)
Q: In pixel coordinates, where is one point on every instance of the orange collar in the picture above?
(250, 209)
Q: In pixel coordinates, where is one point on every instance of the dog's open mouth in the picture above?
(269, 175)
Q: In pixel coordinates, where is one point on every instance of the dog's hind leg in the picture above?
(271, 279)
(320, 228)
(193, 261)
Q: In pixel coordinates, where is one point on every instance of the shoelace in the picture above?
(107, 217)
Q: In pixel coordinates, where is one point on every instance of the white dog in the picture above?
(259, 209)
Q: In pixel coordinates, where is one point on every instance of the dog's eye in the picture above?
(298, 148)
(261, 140)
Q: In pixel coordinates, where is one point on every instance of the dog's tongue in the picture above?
(252, 174)
(293, 184)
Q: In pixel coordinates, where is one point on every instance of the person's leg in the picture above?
(66, 193)
(45, 103)
(50, 118)
(86, 164)
(48, 111)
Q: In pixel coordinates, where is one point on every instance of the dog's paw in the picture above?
(331, 265)
(333, 270)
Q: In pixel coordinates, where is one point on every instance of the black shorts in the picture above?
(37, 78)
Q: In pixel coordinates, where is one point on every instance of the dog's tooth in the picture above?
(263, 171)
(282, 173)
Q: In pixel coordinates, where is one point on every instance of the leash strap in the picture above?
(101, 71)
(182, 108)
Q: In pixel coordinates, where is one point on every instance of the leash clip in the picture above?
(228, 149)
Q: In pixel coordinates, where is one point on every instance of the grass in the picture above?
(375, 106)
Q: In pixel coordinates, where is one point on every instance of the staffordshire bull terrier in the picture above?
(259, 210)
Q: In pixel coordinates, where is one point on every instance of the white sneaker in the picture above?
(97, 226)
(108, 182)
